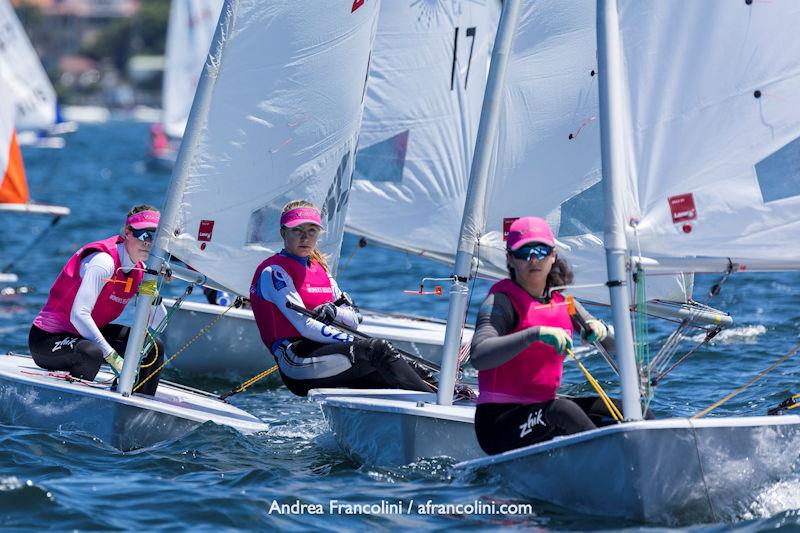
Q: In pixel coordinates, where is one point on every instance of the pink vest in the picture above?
(312, 283)
(54, 316)
(534, 375)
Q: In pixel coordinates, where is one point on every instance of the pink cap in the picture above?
(301, 215)
(143, 219)
(526, 230)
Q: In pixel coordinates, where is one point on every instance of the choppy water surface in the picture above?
(216, 478)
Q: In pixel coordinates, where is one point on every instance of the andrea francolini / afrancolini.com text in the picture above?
(411, 506)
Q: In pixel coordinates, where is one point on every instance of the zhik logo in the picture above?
(532, 422)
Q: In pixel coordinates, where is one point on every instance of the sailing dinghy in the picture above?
(262, 132)
(247, 100)
(426, 82)
(544, 164)
(38, 117)
(14, 194)
(730, 202)
(189, 31)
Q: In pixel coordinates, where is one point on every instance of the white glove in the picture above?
(114, 361)
(597, 331)
(558, 338)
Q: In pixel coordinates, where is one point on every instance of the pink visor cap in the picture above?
(143, 220)
(301, 215)
(526, 230)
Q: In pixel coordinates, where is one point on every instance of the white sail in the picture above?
(6, 126)
(417, 136)
(189, 33)
(34, 94)
(280, 122)
(715, 170)
(424, 97)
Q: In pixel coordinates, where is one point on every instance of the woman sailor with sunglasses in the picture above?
(310, 352)
(519, 346)
(74, 330)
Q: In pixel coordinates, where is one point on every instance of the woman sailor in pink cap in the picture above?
(74, 331)
(519, 346)
(310, 352)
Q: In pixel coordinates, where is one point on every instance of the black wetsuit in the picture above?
(374, 364)
(82, 358)
(500, 427)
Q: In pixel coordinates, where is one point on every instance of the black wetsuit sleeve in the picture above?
(492, 344)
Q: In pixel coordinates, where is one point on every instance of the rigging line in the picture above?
(10, 265)
(709, 336)
(248, 383)
(662, 359)
(772, 367)
(362, 243)
(612, 409)
(199, 334)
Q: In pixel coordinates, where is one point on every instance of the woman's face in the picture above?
(530, 264)
(139, 242)
(301, 240)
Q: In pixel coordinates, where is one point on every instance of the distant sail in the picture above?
(714, 171)
(278, 118)
(189, 33)
(13, 186)
(33, 92)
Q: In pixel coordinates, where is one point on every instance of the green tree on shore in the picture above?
(144, 33)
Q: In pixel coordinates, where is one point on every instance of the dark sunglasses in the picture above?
(539, 251)
(146, 235)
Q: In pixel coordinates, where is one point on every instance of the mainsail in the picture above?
(32, 91)
(189, 33)
(714, 171)
(276, 118)
(424, 97)
(418, 135)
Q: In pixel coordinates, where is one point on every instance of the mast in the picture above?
(613, 164)
(202, 100)
(472, 219)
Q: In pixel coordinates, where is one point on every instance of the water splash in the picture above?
(743, 334)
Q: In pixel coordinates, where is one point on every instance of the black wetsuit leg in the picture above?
(82, 358)
(500, 427)
(65, 351)
(596, 409)
(375, 363)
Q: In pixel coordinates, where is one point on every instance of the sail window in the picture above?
(779, 173)
(384, 160)
(583, 213)
(264, 225)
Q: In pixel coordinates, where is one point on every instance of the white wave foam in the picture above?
(7, 484)
(776, 498)
(734, 335)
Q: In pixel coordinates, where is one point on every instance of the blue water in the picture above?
(216, 478)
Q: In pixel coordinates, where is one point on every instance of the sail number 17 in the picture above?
(469, 33)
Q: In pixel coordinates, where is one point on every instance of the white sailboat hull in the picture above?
(233, 349)
(395, 427)
(675, 471)
(33, 397)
